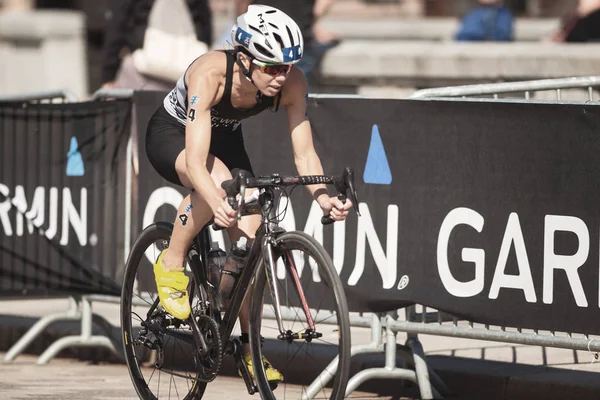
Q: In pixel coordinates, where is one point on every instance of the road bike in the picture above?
(303, 316)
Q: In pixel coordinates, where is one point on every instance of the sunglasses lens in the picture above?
(276, 69)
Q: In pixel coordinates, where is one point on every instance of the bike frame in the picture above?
(262, 249)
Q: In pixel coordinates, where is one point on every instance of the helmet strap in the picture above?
(247, 73)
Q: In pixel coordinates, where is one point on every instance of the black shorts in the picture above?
(165, 139)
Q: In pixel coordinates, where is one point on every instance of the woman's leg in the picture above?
(247, 226)
(193, 213)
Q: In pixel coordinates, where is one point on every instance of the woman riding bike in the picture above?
(194, 139)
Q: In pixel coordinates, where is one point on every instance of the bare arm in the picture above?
(305, 156)
(202, 92)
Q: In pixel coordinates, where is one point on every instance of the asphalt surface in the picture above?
(66, 379)
(472, 369)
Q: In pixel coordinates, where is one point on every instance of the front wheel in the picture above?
(306, 344)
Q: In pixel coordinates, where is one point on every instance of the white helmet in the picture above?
(269, 35)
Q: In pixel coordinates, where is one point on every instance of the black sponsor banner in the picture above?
(62, 198)
(488, 211)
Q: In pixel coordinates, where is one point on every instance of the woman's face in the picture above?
(268, 78)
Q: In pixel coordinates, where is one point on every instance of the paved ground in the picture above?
(472, 369)
(65, 379)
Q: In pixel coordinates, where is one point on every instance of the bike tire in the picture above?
(285, 243)
(160, 231)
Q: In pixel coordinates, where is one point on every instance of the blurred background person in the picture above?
(581, 25)
(16, 5)
(125, 33)
(307, 14)
(488, 20)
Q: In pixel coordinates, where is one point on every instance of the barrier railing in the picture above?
(79, 306)
(434, 322)
(53, 96)
(439, 323)
(525, 87)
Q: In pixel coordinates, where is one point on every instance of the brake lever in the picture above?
(349, 182)
(242, 196)
(343, 184)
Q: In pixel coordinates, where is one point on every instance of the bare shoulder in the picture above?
(207, 73)
(295, 88)
(211, 65)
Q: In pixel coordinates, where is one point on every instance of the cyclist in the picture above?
(194, 139)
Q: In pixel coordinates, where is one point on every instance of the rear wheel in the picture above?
(308, 344)
(159, 349)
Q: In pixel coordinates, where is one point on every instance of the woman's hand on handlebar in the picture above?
(225, 216)
(334, 207)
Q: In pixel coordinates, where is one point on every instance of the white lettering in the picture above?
(570, 264)
(70, 216)
(35, 215)
(158, 198)
(4, 208)
(313, 227)
(53, 214)
(461, 216)
(386, 264)
(523, 281)
(339, 245)
(20, 204)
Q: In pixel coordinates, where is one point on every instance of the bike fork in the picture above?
(272, 282)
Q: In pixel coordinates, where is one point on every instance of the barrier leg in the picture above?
(388, 372)
(72, 314)
(375, 346)
(421, 368)
(85, 339)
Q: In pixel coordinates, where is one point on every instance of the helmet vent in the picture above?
(278, 39)
(287, 28)
(254, 28)
(263, 51)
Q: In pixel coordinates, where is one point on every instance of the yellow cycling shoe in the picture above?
(172, 290)
(273, 376)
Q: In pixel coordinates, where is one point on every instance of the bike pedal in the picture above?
(241, 365)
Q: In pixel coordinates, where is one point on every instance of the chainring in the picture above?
(209, 364)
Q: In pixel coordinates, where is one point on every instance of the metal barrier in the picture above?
(439, 323)
(80, 307)
(525, 87)
(51, 96)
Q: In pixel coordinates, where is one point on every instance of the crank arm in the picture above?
(239, 361)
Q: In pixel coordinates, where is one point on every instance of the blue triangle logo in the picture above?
(74, 160)
(377, 170)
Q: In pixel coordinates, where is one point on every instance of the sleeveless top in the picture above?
(224, 117)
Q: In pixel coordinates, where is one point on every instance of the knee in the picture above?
(222, 174)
